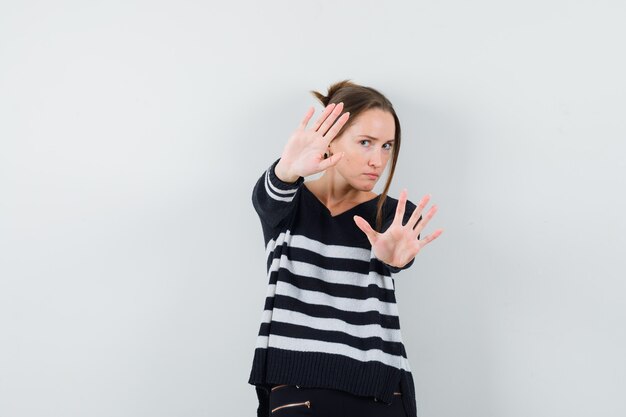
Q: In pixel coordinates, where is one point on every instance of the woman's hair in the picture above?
(357, 99)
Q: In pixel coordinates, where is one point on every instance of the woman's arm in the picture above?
(273, 198)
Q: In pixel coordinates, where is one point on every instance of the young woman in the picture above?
(330, 343)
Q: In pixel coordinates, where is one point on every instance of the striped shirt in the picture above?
(330, 318)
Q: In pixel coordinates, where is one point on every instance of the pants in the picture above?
(291, 401)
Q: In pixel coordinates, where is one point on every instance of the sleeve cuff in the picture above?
(280, 184)
(395, 270)
(279, 190)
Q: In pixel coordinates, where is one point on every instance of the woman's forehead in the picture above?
(375, 123)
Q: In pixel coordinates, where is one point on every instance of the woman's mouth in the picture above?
(371, 176)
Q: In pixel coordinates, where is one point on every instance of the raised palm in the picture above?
(303, 154)
(399, 243)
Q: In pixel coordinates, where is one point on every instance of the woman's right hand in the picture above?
(303, 154)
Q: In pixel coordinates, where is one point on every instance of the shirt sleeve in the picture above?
(409, 208)
(272, 198)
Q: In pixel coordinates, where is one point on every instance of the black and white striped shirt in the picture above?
(330, 318)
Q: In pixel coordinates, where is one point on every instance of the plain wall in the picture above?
(132, 272)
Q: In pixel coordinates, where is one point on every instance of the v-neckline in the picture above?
(343, 212)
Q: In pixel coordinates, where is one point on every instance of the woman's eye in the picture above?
(387, 146)
(364, 142)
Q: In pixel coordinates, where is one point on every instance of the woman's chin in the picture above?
(364, 186)
(367, 187)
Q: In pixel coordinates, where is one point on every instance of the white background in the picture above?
(132, 272)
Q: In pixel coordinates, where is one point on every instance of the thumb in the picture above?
(365, 227)
(327, 163)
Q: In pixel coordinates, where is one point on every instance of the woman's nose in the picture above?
(376, 159)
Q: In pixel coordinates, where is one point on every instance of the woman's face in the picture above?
(367, 145)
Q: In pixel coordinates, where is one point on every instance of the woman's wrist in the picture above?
(282, 173)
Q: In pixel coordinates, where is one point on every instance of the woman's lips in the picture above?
(371, 176)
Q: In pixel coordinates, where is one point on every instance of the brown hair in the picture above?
(356, 99)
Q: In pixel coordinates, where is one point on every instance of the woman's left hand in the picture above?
(398, 245)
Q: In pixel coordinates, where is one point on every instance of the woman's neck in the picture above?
(336, 193)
